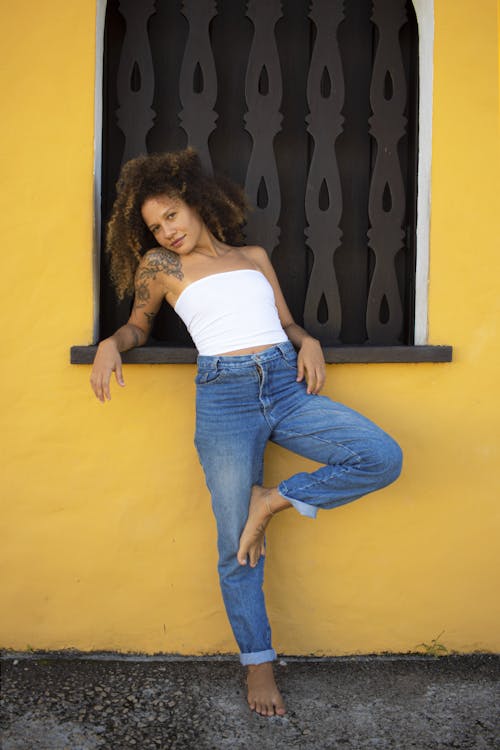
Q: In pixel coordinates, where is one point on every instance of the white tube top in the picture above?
(228, 311)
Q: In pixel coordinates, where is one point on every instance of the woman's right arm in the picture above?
(149, 292)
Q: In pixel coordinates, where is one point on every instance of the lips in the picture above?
(178, 242)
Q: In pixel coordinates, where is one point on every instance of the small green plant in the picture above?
(434, 648)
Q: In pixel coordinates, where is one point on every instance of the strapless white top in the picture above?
(228, 311)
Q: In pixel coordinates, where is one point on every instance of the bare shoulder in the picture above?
(257, 255)
(159, 261)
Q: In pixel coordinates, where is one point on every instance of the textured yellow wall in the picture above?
(107, 536)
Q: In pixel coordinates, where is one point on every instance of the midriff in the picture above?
(252, 350)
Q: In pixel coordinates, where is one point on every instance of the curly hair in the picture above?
(179, 174)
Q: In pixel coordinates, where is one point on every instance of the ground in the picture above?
(59, 702)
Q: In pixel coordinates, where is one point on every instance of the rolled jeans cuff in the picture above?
(258, 657)
(304, 509)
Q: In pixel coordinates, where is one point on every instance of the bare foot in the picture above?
(252, 537)
(263, 694)
(264, 503)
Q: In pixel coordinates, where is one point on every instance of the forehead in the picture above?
(158, 204)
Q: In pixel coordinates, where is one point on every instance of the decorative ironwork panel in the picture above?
(198, 81)
(311, 105)
(323, 202)
(135, 82)
(263, 120)
(387, 200)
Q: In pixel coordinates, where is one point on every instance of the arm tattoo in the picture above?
(157, 261)
(161, 261)
(142, 292)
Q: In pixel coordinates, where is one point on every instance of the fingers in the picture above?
(311, 364)
(314, 374)
(309, 381)
(320, 378)
(100, 386)
(107, 360)
(315, 379)
(105, 387)
(300, 370)
(96, 385)
(99, 381)
(119, 374)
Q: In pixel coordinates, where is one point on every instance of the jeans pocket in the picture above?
(206, 377)
(290, 360)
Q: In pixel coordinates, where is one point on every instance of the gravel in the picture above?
(56, 702)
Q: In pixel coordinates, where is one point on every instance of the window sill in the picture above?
(174, 355)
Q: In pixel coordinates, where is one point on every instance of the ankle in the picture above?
(263, 667)
(267, 501)
(274, 502)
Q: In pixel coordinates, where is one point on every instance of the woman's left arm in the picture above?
(310, 359)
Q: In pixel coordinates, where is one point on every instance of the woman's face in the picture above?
(175, 225)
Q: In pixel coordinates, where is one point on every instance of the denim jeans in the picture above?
(241, 403)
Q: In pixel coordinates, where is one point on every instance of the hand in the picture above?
(311, 365)
(107, 360)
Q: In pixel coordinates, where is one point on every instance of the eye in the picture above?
(171, 216)
(154, 230)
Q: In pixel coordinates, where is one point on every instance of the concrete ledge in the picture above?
(471, 659)
(177, 355)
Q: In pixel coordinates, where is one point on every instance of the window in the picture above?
(313, 108)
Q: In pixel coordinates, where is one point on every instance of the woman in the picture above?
(172, 228)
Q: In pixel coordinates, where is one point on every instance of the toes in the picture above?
(254, 557)
(241, 556)
(264, 709)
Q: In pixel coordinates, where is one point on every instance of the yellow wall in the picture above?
(107, 536)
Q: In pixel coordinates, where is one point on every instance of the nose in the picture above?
(168, 231)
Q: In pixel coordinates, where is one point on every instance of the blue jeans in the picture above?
(241, 403)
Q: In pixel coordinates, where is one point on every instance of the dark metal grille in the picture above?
(312, 107)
